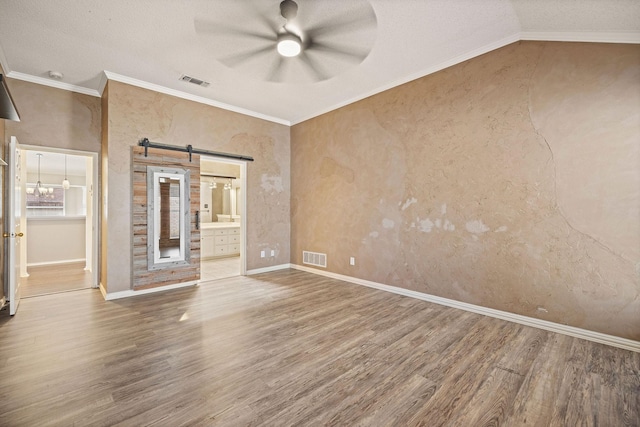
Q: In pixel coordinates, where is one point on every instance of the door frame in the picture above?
(13, 234)
(94, 190)
(243, 202)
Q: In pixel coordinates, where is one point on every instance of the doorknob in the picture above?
(9, 235)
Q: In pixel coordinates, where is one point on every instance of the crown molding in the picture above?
(103, 83)
(53, 83)
(413, 76)
(590, 37)
(200, 99)
(587, 37)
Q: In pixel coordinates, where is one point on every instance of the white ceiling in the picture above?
(53, 163)
(151, 43)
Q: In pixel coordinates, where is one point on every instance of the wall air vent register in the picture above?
(193, 80)
(314, 258)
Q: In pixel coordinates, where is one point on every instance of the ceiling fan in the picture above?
(318, 39)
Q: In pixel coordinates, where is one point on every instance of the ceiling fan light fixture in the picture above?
(289, 45)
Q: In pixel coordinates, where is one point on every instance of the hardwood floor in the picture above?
(46, 279)
(292, 348)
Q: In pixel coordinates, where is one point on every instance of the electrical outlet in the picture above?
(273, 253)
(261, 254)
(352, 260)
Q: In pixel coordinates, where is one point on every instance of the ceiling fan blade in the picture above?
(272, 26)
(349, 53)
(217, 29)
(313, 67)
(258, 11)
(238, 58)
(275, 74)
(343, 24)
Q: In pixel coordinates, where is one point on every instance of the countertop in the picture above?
(210, 225)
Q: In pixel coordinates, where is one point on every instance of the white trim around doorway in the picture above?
(92, 252)
(243, 202)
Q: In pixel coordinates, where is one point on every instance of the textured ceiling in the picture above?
(151, 43)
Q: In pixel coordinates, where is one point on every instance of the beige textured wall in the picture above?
(509, 181)
(134, 113)
(53, 117)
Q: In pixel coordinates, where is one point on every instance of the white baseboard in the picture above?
(268, 269)
(598, 337)
(131, 293)
(65, 261)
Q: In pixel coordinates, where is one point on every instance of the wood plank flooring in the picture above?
(290, 348)
(46, 279)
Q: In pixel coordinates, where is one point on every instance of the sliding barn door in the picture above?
(143, 276)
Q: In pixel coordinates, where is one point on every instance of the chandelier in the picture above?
(65, 182)
(39, 190)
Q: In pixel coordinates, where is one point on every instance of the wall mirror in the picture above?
(224, 202)
(168, 217)
(219, 198)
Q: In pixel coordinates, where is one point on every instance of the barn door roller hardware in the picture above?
(144, 142)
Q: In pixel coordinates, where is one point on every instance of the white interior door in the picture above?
(14, 219)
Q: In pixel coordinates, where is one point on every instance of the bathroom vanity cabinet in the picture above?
(219, 239)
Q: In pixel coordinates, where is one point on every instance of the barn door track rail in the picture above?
(144, 142)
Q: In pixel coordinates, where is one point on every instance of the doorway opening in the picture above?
(60, 207)
(223, 198)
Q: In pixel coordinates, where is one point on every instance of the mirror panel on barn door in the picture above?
(168, 213)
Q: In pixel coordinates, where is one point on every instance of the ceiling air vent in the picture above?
(193, 80)
(314, 258)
